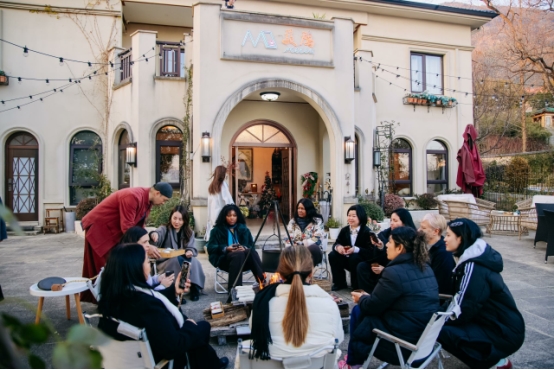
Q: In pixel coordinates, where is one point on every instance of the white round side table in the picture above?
(70, 288)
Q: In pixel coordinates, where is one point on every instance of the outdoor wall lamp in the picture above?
(348, 149)
(270, 95)
(131, 152)
(206, 150)
(376, 158)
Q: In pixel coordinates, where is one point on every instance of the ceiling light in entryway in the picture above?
(270, 95)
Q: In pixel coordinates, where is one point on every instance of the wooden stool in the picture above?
(70, 289)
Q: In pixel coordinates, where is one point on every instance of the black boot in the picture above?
(194, 292)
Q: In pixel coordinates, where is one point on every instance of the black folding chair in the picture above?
(549, 217)
(542, 225)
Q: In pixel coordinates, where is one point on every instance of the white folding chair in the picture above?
(222, 277)
(323, 358)
(95, 287)
(426, 348)
(134, 353)
(322, 271)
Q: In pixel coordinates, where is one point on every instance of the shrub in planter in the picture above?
(392, 202)
(85, 206)
(159, 215)
(373, 210)
(333, 223)
(426, 201)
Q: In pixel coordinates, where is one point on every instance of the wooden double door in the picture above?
(22, 176)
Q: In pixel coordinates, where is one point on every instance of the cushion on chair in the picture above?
(469, 198)
(542, 199)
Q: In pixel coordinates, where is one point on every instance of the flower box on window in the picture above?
(4, 80)
(429, 100)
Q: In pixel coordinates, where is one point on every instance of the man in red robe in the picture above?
(471, 176)
(105, 225)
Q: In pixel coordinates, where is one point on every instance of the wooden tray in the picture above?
(233, 314)
(172, 253)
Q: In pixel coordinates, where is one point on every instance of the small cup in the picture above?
(374, 264)
(361, 291)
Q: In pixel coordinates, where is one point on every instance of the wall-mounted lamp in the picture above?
(270, 95)
(206, 149)
(348, 149)
(131, 152)
(376, 158)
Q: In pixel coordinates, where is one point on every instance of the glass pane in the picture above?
(402, 190)
(78, 193)
(182, 66)
(417, 68)
(257, 131)
(280, 138)
(436, 188)
(433, 65)
(85, 166)
(23, 139)
(401, 166)
(436, 145)
(169, 164)
(124, 170)
(401, 144)
(86, 138)
(124, 138)
(23, 185)
(436, 167)
(548, 121)
(269, 131)
(246, 137)
(169, 133)
(170, 61)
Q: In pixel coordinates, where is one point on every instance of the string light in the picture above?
(19, 80)
(25, 51)
(61, 62)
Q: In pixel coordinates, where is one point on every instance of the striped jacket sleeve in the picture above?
(474, 291)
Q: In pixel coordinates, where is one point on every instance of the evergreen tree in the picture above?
(268, 195)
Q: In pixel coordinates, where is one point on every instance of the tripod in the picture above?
(278, 216)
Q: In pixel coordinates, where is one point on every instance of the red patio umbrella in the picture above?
(471, 176)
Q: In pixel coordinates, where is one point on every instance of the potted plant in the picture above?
(200, 242)
(411, 98)
(3, 78)
(334, 228)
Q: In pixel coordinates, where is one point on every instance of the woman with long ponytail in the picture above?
(401, 304)
(281, 326)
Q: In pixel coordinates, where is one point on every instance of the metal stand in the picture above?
(278, 215)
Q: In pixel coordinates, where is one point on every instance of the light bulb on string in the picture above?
(89, 64)
(41, 99)
(61, 62)
(25, 51)
(160, 55)
(47, 81)
(19, 80)
(31, 97)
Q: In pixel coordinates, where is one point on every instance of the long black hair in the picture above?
(405, 216)
(123, 271)
(413, 242)
(467, 230)
(360, 212)
(221, 221)
(133, 235)
(311, 212)
(184, 235)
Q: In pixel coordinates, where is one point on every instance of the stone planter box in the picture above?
(200, 244)
(417, 215)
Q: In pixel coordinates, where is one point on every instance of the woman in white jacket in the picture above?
(281, 326)
(218, 197)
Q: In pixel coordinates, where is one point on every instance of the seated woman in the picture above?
(294, 318)
(177, 234)
(402, 303)
(231, 243)
(352, 246)
(306, 228)
(127, 297)
(138, 235)
(369, 271)
(490, 327)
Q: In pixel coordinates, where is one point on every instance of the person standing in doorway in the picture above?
(218, 197)
(108, 221)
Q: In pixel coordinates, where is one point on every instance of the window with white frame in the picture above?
(426, 73)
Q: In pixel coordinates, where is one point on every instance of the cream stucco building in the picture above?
(340, 69)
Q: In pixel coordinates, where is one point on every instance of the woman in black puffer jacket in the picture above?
(489, 327)
(401, 304)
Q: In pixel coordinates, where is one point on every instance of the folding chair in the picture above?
(221, 277)
(426, 348)
(134, 353)
(323, 358)
(322, 271)
(95, 287)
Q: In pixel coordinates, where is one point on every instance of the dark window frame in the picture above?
(446, 170)
(410, 167)
(174, 143)
(72, 148)
(424, 72)
(122, 148)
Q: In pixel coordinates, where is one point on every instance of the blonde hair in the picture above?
(436, 221)
(218, 177)
(295, 265)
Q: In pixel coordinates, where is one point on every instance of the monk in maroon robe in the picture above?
(105, 225)
(471, 176)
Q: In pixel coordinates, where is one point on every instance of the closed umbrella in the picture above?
(471, 176)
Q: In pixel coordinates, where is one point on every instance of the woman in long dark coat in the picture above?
(401, 304)
(490, 327)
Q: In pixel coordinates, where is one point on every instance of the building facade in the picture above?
(339, 74)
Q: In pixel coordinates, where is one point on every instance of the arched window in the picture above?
(401, 172)
(169, 144)
(123, 169)
(437, 167)
(85, 166)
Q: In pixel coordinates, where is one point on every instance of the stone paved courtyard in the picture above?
(25, 260)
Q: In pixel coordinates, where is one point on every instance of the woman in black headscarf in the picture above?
(369, 271)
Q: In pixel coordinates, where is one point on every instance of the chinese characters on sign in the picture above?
(305, 46)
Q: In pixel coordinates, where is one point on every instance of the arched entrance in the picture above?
(22, 176)
(262, 147)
